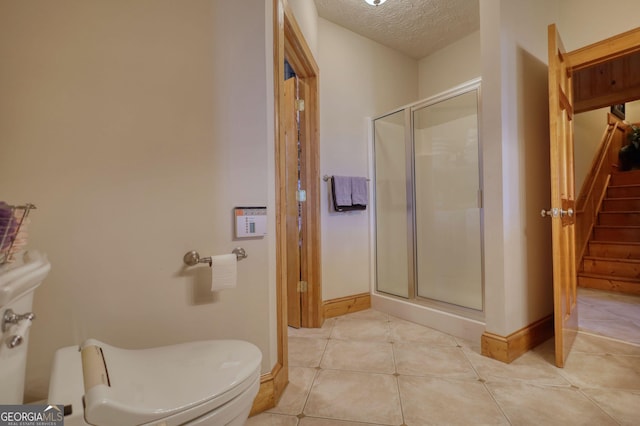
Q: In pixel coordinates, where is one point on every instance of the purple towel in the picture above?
(342, 185)
(359, 191)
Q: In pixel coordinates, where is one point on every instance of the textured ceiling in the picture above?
(415, 27)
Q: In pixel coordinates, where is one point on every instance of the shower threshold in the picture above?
(430, 315)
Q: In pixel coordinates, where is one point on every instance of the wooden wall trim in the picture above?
(272, 385)
(605, 50)
(282, 363)
(507, 349)
(346, 305)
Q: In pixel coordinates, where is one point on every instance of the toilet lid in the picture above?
(140, 386)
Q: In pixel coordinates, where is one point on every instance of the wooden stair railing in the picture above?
(595, 184)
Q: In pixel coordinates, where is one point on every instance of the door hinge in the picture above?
(303, 286)
(301, 195)
(299, 104)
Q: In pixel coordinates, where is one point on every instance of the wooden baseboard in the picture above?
(273, 384)
(346, 305)
(507, 349)
(271, 387)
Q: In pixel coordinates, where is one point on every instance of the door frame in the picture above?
(605, 50)
(598, 53)
(289, 43)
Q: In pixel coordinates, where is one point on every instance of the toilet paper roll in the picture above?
(223, 271)
(94, 370)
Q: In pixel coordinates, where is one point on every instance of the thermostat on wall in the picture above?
(251, 222)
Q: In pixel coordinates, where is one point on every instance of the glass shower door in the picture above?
(447, 202)
(394, 251)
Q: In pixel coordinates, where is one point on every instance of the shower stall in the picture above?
(428, 212)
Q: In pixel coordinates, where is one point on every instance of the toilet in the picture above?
(208, 383)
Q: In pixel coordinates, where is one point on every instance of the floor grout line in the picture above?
(493, 375)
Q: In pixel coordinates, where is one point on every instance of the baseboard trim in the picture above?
(507, 349)
(272, 385)
(346, 305)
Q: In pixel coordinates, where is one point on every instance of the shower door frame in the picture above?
(474, 85)
(408, 145)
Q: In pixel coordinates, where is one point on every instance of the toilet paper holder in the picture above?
(192, 257)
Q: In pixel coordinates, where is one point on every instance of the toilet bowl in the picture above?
(197, 383)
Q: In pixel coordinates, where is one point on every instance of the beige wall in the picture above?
(632, 112)
(516, 162)
(583, 22)
(306, 16)
(588, 128)
(449, 67)
(136, 127)
(359, 78)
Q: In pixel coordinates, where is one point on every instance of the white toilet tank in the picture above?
(18, 280)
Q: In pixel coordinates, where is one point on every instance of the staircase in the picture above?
(612, 261)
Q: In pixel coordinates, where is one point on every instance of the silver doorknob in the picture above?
(555, 212)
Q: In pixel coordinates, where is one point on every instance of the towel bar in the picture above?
(327, 177)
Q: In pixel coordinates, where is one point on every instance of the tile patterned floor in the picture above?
(370, 368)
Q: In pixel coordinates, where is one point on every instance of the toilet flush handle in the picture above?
(22, 320)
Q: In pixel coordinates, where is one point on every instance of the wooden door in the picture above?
(562, 198)
(308, 308)
(588, 63)
(292, 211)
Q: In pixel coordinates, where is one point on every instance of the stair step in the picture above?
(621, 268)
(616, 233)
(623, 191)
(620, 250)
(613, 260)
(619, 218)
(609, 283)
(625, 178)
(621, 204)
